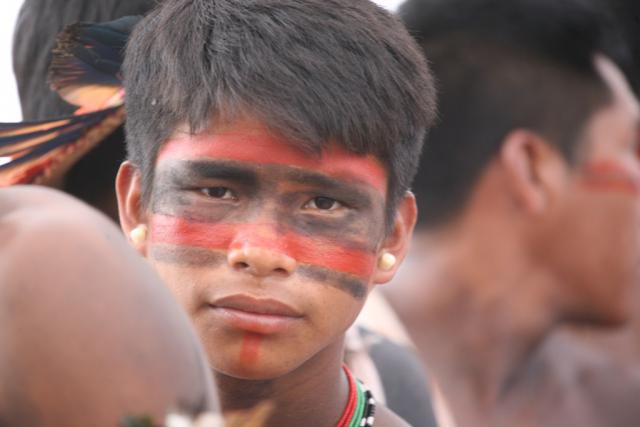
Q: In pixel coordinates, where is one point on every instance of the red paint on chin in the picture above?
(316, 250)
(610, 176)
(250, 349)
(258, 146)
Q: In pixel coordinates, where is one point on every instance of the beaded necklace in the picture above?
(361, 406)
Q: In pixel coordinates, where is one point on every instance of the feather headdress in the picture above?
(85, 71)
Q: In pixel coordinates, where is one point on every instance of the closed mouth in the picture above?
(256, 305)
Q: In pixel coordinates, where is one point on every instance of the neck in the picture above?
(317, 390)
(492, 310)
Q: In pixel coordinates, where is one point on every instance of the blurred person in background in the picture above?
(528, 199)
(91, 176)
(89, 335)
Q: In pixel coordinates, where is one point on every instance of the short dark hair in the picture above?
(313, 70)
(502, 65)
(627, 15)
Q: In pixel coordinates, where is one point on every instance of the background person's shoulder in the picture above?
(384, 417)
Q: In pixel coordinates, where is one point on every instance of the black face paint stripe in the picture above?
(359, 228)
(342, 281)
(186, 255)
(206, 258)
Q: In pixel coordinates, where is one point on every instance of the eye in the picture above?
(323, 204)
(222, 193)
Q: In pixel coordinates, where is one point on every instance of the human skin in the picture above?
(540, 245)
(272, 251)
(89, 334)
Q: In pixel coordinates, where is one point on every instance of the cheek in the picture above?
(596, 238)
(183, 232)
(182, 280)
(610, 206)
(611, 176)
(334, 311)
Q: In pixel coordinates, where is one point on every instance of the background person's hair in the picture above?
(314, 71)
(39, 22)
(502, 65)
(627, 15)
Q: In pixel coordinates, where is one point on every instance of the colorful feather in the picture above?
(85, 71)
(42, 152)
(85, 68)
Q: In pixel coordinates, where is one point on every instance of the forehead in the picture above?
(618, 85)
(253, 144)
(616, 124)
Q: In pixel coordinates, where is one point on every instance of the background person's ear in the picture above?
(396, 244)
(132, 218)
(535, 170)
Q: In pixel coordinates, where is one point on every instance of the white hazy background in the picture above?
(9, 104)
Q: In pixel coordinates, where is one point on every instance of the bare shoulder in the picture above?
(53, 243)
(74, 296)
(385, 417)
(30, 211)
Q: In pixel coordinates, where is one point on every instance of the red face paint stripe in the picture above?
(250, 349)
(631, 188)
(604, 166)
(610, 176)
(208, 258)
(304, 249)
(334, 161)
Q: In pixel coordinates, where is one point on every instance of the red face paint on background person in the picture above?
(271, 249)
(611, 176)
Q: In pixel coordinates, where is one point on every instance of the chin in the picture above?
(619, 315)
(613, 315)
(620, 310)
(261, 370)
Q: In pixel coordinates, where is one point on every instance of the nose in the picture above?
(261, 262)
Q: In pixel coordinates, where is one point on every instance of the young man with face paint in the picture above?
(85, 168)
(270, 153)
(86, 165)
(529, 184)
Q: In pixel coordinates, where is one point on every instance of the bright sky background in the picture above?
(9, 105)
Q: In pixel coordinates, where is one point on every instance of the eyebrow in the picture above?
(182, 171)
(354, 192)
(185, 170)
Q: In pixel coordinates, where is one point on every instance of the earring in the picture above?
(138, 235)
(387, 261)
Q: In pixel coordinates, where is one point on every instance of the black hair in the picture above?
(313, 71)
(627, 15)
(502, 65)
(39, 22)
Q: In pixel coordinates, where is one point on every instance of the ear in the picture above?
(535, 170)
(132, 217)
(397, 242)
